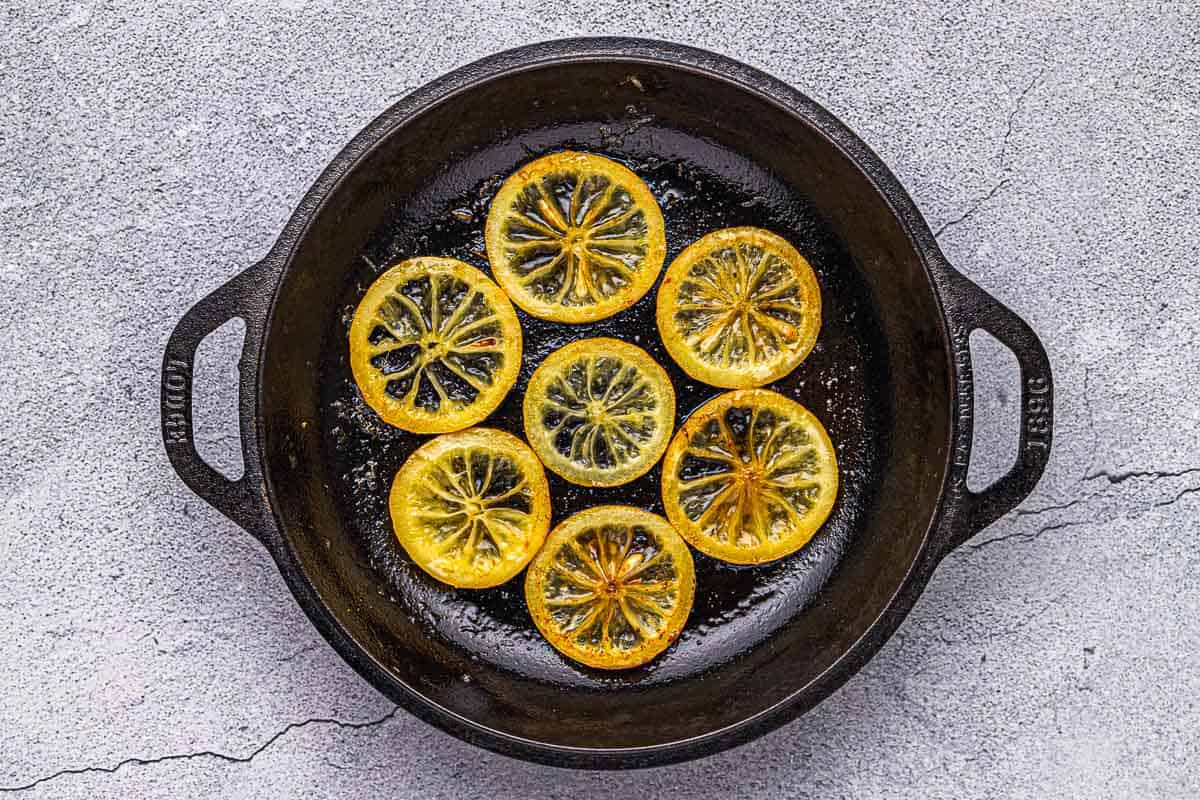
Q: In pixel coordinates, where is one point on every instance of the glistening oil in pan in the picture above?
(701, 187)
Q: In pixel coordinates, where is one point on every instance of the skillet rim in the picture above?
(739, 76)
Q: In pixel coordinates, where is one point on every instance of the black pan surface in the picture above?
(701, 187)
(714, 156)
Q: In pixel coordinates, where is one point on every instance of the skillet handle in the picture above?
(242, 500)
(971, 308)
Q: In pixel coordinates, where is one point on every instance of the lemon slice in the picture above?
(599, 412)
(574, 237)
(750, 477)
(434, 345)
(471, 508)
(612, 587)
(739, 308)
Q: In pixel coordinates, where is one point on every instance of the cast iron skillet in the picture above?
(720, 144)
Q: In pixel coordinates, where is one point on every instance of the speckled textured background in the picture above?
(149, 151)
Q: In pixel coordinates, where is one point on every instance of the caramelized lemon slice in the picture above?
(612, 587)
(750, 477)
(574, 237)
(434, 345)
(739, 308)
(599, 412)
(471, 508)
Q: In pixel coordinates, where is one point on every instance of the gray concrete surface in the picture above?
(148, 151)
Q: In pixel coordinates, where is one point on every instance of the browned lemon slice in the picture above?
(471, 508)
(599, 412)
(434, 345)
(612, 587)
(574, 237)
(739, 308)
(750, 477)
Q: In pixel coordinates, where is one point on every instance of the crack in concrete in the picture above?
(1004, 168)
(1012, 116)
(1113, 478)
(972, 209)
(1033, 512)
(1178, 497)
(1121, 477)
(308, 648)
(1027, 536)
(224, 757)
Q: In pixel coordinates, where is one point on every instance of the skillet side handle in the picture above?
(971, 308)
(242, 500)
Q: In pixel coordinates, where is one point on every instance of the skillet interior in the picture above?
(715, 155)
